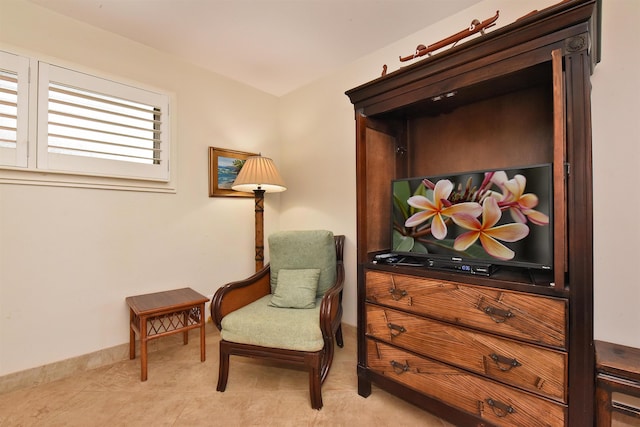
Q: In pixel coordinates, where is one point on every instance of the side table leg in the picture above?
(203, 355)
(603, 405)
(185, 322)
(143, 348)
(132, 335)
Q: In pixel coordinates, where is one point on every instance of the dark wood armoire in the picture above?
(479, 350)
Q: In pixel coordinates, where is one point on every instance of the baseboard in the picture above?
(75, 365)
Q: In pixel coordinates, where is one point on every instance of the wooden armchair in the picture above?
(256, 317)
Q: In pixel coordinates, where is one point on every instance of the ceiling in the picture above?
(273, 45)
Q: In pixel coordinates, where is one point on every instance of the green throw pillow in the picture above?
(296, 288)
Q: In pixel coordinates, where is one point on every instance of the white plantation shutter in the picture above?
(64, 127)
(14, 109)
(94, 126)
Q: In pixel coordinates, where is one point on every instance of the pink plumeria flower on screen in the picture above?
(520, 205)
(439, 209)
(487, 233)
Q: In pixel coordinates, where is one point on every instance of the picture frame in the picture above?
(224, 166)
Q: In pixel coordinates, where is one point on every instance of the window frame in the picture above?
(40, 167)
(19, 65)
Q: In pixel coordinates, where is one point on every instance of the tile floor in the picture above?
(181, 391)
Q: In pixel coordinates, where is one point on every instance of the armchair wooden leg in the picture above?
(339, 339)
(223, 370)
(315, 388)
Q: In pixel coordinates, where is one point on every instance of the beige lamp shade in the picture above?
(259, 173)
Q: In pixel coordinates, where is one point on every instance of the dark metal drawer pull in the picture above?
(500, 409)
(397, 294)
(498, 315)
(504, 363)
(396, 329)
(399, 368)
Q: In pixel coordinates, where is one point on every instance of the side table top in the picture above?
(618, 359)
(165, 300)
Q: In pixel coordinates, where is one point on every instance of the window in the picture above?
(14, 109)
(81, 125)
(93, 125)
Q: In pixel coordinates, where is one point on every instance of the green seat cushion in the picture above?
(296, 288)
(303, 249)
(261, 324)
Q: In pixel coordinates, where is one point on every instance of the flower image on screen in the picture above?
(496, 216)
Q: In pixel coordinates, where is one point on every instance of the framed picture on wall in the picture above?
(224, 166)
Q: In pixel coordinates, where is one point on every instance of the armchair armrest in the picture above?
(235, 295)
(331, 304)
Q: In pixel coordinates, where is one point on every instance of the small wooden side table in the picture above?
(164, 313)
(617, 371)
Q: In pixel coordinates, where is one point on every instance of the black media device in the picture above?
(456, 264)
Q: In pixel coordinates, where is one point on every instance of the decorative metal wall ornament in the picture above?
(475, 27)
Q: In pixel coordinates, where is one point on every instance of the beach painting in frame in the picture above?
(224, 166)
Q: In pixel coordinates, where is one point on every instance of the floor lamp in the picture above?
(259, 174)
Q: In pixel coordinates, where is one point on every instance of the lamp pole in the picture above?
(259, 209)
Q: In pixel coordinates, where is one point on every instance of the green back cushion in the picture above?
(307, 249)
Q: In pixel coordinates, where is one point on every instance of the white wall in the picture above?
(616, 165)
(317, 122)
(70, 256)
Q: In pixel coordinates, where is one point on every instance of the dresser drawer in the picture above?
(536, 369)
(534, 318)
(496, 403)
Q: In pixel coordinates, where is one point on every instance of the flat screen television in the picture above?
(487, 217)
